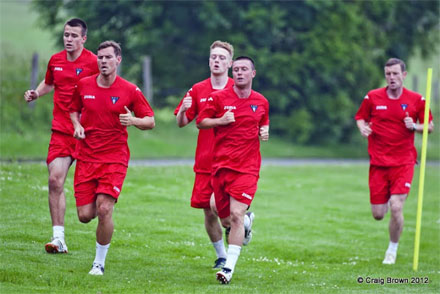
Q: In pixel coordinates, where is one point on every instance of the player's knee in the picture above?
(237, 216)
(396, 209)
(226, 222)
(84, 218)
(210, 215)
(378, 215)
(55, 182)
(105, 211)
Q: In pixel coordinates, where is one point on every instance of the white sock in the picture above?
(247, 221)
(392, 247)
(220, 249)
(233, 254)
(58, 232)
(101, 253)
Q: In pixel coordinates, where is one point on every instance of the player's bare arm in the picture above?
(78, 132)
(181, 118)
(145, 123)
(364, 128)
(264, 133)
(41, 90)
(416, 127)
(226, 119)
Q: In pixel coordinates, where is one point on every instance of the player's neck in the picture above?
(106, 81)
(243, 92)
(72, 56)
(219, 82)
(394, 93)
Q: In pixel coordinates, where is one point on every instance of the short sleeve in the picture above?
(48, 80)
(421, 111)
(76, 104)
(211, 110)
(364, 111)
(265, 118)
(140, 105)
(192, 111)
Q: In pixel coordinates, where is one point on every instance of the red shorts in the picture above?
(202, 191)
(387, 181)
(93, 178)
(61, 145)
(229, 183)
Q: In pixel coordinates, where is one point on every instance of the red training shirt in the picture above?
(205, 141)
(64, 75)
(391, 143)
(106, 138)
(237, 145)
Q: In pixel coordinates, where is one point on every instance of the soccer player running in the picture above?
(195, 100)
(64, 70)
(105, 102)
(240, 117)
(388, 118)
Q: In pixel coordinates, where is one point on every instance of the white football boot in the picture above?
(56, 246)
(390, 258)
(224, 276)
(97, 270)
(248, 229)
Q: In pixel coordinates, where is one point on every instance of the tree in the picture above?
(315, 60)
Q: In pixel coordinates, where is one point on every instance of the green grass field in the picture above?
(313, 233)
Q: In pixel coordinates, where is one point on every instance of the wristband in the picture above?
(414, 127)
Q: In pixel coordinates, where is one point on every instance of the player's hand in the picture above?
(78, 133)
(264, 133)
(126, 119)
(31, 95)
(186, 103)
(227, 118)
(409, 123)
(366, 130)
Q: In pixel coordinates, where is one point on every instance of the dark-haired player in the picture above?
(105, 102)
(64, 70)
(240, 117)
(388, 118)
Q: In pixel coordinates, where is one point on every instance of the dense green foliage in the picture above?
(313, 233)
(315, 59)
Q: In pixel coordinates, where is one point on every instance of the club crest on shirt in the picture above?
(78, 71)
(404, 106)
(254, 107)
(114, 99)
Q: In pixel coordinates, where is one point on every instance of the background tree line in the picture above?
(315, 60)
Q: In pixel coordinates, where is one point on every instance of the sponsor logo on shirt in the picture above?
(254, 107)
(206, 99)
(229, 107)
(381, 107)
(114, 99)
(78, 71)
(404, 106)
(408, 185)
(89, 97)
(247, 196)
(116, 189)
(57, 68)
